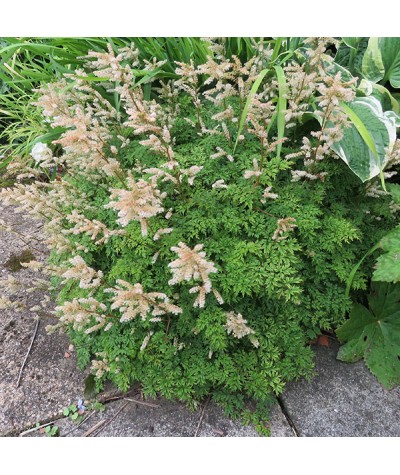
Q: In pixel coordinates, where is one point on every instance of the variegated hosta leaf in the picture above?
(384, 96)
(332, 68)
(364, 160)
(372, 64)
(381, 61)
(352, 41)
(350, 54)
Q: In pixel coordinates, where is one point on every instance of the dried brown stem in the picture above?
(29, 350)
(202, 416)
(142, 402)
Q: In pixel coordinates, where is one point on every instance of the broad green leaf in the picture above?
(366, 87)
(361, 128)
(374, 334)
(353, 333)
(351, 57)
(388, 264)
(383, 360)
(332, 68)
(394, 190)
(364, 145)
(393, 117)
(352, 41)
(390, 51)
(387, 268)
(388, 101)
(382, 60)
(372, 64)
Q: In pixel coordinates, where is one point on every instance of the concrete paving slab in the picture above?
(165, 419)
(49, 381)
(343, 400)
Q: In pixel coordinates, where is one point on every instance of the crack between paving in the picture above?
(287, 416)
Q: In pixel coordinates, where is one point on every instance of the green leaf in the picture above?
(252, 93)
(282, 102)
(374, 334)
(390, 51)
(362, 130)
(66, 411)
(396, 97)
(372, 64)
(364, 145)
(352, 41)
(332, 68)
(90, 386)
(98, 406)
(277, 47)
(51, 431)
(388, 264)
(382, 60)
(351, 53)
(355, 268)
(74, 416)
(388, 101)
(394, 190)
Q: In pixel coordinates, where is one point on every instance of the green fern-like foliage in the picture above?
(287, 290)
(273, 252)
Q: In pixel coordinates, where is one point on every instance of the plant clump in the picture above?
(203, 235)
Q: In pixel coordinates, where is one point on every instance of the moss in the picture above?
(13, 264)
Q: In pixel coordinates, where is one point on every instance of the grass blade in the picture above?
(277, 47)
(282, 104)
(355, 268)
(359, 125)
(253, 91)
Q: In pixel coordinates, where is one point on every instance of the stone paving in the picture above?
(341, 400)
